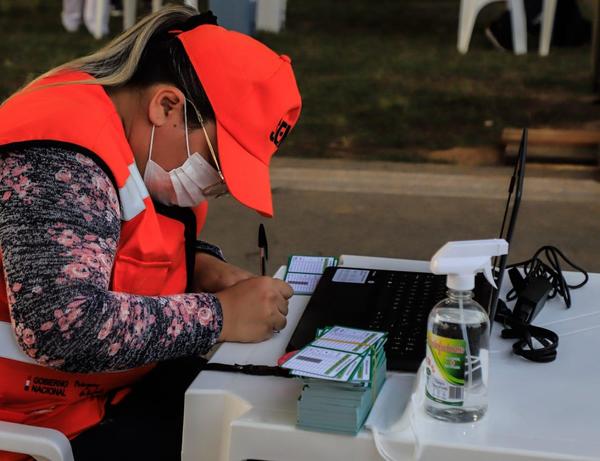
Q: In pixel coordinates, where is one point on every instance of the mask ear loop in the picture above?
(187, 139)
(210, 147)
(151, 143)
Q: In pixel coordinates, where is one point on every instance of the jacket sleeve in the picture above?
(59, 228)
(209, 248)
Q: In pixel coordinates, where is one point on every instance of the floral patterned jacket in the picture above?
(59, 228)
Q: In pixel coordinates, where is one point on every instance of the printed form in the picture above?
(339, 354)
(304, 272)
(323, 363)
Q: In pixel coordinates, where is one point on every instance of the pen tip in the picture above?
(262, 239)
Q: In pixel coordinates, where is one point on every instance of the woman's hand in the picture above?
(253, 309)
(212, 274)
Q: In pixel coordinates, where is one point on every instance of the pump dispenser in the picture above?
(457, 363)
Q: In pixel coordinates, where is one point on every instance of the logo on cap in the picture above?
(280, 133)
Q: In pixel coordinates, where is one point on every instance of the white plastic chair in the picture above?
(270, 14)
(469, 9)
(548, 12)
(40, 443)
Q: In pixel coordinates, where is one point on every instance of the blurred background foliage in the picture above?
(380, 80)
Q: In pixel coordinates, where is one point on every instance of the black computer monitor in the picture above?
(511, 211)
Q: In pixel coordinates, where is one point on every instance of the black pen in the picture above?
(264, 249)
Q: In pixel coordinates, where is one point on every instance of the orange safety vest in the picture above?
(150, 260)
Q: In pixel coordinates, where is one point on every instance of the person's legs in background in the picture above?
(570, 28)
(90, 17)
(499, 32)
(74, 10)
(71, 14)
(116, 8)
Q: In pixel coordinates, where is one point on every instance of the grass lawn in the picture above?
(379, 80)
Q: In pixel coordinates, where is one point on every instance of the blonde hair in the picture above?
(146, 53)
(115, 63)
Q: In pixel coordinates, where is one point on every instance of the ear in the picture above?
(165, 105)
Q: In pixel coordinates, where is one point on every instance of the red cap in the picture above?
(256, 101)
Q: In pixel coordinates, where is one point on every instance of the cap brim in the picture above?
(247, 178)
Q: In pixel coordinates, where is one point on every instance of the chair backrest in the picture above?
(41, 443)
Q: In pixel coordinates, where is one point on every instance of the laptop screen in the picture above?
(399, 301)
(511, 211)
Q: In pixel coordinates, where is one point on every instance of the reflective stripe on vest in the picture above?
(132, 194)
(9, 349)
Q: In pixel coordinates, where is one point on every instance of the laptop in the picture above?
(399, 302)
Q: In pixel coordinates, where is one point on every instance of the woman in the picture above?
(106, 164)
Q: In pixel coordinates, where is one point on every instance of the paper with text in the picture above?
(349, 339)
(323, 363)
(304, 272)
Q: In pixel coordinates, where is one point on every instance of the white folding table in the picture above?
(536, 411)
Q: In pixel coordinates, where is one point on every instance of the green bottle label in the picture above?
(445, 363)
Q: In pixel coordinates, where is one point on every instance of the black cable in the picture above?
(546, 264)
(525, 333)
(257, 370)
(551, 271)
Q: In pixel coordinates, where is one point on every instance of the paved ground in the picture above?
(331, 207)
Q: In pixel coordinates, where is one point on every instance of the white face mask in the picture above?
(184, 186)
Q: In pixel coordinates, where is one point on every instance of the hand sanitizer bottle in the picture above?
(458, 329)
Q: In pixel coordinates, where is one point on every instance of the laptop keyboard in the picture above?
(397, 302)
(401, 308)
